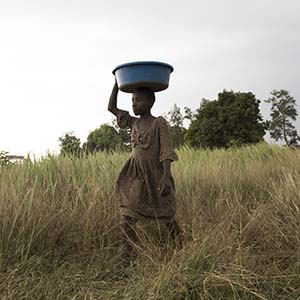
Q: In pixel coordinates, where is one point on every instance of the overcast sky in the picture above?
(56, 58)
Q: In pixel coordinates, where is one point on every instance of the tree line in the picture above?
(233, 119)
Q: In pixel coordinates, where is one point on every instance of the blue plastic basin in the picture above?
(151, 74)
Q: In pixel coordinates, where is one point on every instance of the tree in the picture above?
(124, 134)
(241, 117)
(206, 130)
(189, 114)
(233, 119)
(283, 112)
(177, 130)
(70, 144)
(104, 138)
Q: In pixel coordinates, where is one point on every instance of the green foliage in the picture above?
(124, 134)
(175, 117)
(70, 144)
(177, 134)
(189, 114)
(177, 130)
(4, 159)
(283, 112)
(104, 138)
(232, 120)
(206, 130)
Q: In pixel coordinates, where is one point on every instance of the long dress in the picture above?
(138, 181)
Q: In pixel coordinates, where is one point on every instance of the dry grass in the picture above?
(60, 235)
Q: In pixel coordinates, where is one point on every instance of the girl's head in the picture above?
(142, 100)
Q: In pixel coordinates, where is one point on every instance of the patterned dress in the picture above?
(137, 184)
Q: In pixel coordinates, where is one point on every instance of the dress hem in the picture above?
(125, 211)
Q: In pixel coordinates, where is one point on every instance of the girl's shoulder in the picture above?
(162, 121)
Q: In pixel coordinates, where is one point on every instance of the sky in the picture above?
(57, 57)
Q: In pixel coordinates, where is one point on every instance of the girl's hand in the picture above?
(164, 186)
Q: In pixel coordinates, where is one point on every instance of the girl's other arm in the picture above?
(112, 104)
(164, 186)
(167, 168)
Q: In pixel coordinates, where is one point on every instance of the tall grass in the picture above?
(60, 232)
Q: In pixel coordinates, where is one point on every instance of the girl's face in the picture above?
(140, 103)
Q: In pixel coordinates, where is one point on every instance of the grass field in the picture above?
(60, 236)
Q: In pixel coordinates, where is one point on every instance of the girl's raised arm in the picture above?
(112, 104)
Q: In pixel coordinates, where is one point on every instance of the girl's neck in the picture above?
(146, 115)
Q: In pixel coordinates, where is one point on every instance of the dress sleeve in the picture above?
(124, 119)
(166, 144)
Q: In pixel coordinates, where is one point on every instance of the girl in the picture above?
(145, 187)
